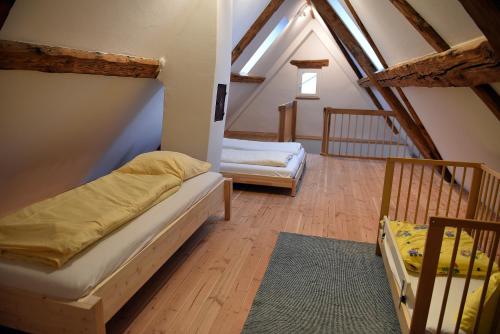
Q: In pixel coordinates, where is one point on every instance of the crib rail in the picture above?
(359, 133)
(432, 251)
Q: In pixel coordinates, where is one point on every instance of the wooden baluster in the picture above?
(493, 214)
(418, 196)
(370, 136)
(440, 190)
(334, 132)
(355, 134)
(362, 134)
(391, 135)
(341, 131)
(377, 122)
(467, 282)
(448, 279)
(479, 201)
(431, 184)
(383, 141)
(461, 192)
(454, 169)
(409, 191)
(399, 137)
(348, 135)
(399, 189)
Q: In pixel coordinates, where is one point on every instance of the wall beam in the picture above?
(254, 29)
(247, 78)
(54, 59)
(485, 92)
(468, 64)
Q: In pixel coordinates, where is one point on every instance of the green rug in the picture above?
(320, 285)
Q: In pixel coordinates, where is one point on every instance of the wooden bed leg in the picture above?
(228, 194)
(293, 190)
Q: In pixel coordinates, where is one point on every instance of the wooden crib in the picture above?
(415, 190)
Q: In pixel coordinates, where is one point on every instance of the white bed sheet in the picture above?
(287, 172)
(79, 276)
(454, 297)
(252, 145)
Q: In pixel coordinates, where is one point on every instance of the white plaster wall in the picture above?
(337, 89)
(59, 128)
(245, 12)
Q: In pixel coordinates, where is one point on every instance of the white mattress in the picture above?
(287, 172)
(252, 145)
(79, 276)
(454, 297)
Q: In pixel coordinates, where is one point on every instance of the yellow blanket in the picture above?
(410, 239)
(56, 229)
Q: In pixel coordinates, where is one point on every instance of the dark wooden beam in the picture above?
(54, 59)
(5, 7)
(336, 24)
(486, 15)
(490, 97)
(310, 63)
(254, 29)
(468, 64)
(246, 78)
(421, 25)
(402, 95)
(487, 94)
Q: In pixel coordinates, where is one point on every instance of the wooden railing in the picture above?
(415, 191)
(360, 133)
(287, 122)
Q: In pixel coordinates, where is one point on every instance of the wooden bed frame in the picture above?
(472, 204)
(36, 313)
(286, 132)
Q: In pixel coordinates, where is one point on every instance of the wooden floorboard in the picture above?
(209, 284)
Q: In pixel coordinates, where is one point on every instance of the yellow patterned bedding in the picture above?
(54, 230)
(410, 239)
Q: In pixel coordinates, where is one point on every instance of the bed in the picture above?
(426, 302)
(284, 177)
(85, 293)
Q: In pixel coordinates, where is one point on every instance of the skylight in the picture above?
(264, 46)
(353, 28)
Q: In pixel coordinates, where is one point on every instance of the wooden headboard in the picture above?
(287, 122)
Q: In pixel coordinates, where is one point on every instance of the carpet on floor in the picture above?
(321, 285)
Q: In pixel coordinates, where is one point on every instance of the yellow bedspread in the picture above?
(410, 239)
(56, 229)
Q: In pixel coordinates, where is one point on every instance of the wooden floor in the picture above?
(209, 285)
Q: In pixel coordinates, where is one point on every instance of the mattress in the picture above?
(454, 297)
(79, 276)
(287, 172)
(251, 145)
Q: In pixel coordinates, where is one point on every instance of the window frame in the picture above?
(300, 73)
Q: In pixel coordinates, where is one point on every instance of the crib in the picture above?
(421, 191)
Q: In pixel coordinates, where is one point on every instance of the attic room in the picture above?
(250, 166)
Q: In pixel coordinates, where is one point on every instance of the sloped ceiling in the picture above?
(462, 127)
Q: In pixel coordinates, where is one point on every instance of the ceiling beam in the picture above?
(421, 25)
(333, 21)
(5, 7)
(402, 95)
(486, 14)
(317, 63)
(246, 78)
(254, 29)
(469, 64)
(485, 92)
(54, 59)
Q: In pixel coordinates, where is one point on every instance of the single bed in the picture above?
(83, 295)
(426, 302)
(283, 177)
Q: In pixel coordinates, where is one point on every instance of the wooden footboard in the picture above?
(35, 313)
(415, 191)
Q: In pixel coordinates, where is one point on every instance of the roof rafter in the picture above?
(333, 21)
(409, 106)
(254, 29)
(485, 17)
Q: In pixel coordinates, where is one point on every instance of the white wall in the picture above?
(462, 127)
(338, 88)
(59, 130)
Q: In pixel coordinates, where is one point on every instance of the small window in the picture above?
(308, 80)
